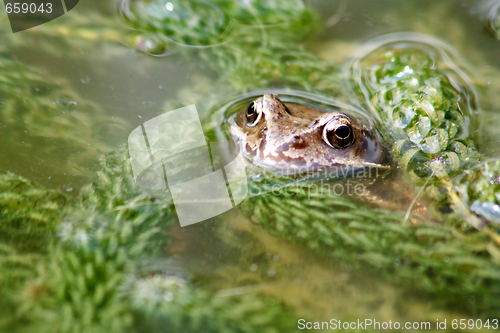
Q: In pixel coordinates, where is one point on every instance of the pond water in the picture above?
(105, 87)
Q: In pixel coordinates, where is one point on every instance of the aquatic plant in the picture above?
(168, 301)
(477, 195)
(29, 216)
(494, 19)
(77, 281)
(193, 23)
(37, 110)
(30, 213)
(88, 277)
(427, 105)
(449, 259)
(67, 35)
(261, 49)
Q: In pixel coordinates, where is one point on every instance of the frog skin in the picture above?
(296, 139)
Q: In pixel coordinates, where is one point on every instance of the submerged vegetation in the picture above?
(74, 264)
(78, 281)
(255, 51)
(494, 19)
(427, 105)
(37, 110)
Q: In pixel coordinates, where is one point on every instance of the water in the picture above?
(229, 253)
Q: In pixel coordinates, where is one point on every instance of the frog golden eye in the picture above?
(253, 116)
(337, 133)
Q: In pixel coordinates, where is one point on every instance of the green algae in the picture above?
(450, 259)
(30, 213)
(482, 183)
(252, 56)
(427, 105)
(477, 190)
(494, 20)
(427, 108)
(196, 23)
(80, 274)
(87, 274)
(86, 279)
(68, 35)
(29, 216)
(39, 111)
(192, 309)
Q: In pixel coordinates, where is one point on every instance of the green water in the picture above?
(117, 88)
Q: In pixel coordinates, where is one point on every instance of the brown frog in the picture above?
(296, 139)
(293, 139)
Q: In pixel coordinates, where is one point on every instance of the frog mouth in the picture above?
(332, 171)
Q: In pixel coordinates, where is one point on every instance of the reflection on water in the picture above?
(110, 90)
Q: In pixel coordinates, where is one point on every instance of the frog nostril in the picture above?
(298, 143)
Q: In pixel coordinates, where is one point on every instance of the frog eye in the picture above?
(253, 116)
(337, 133)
